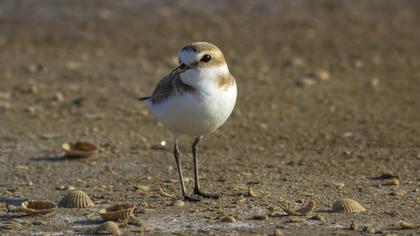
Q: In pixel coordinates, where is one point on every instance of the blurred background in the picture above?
(328, 90)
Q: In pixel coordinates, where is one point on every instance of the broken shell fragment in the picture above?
(392, 181)
(79, 149)
(251, 192)
(405, 225)
(38, 207)
(108, 227)
(122, 211)
(347, 205)
(306, 210)
(76, 199)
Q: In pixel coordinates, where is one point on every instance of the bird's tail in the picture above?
(142, 98)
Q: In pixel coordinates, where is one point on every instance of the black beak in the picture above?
(181, 68)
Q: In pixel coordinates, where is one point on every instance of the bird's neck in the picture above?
(203, 77)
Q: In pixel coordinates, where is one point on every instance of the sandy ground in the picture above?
(329, 102)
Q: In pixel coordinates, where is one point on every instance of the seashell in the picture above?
(251, 192)
(347, 205)
(302, 211)
(229, 219)
(79, 149)
(38, 207)
(405, 225)
(76, 199)
(108, 227)
(122, 211)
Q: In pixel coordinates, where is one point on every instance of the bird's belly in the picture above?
(195, 114)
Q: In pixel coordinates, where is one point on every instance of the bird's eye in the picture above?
(206, 58)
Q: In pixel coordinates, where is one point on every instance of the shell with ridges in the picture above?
(108, 227)
(347, 205)
(122, 211)
(38, 207)
(76, 199)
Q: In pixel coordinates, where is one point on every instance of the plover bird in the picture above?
(194, 99)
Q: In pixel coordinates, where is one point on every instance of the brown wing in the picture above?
(168, 86)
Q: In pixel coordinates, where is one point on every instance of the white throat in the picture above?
(202, 77)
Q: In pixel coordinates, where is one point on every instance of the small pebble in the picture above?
(296, 219)
(229, 219)
(305, 82)
(318, 218)
(354, 226)
(278, 232)
(369, 229)
(374, 84)
(296, 61)
(398, 193)
(142, 188)
(359, 64)
(339, 185)
(179, 203)
(322, 75)
(5, 95)
(5, 106)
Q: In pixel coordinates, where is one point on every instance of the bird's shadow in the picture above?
(89, 222)
(16, 202)
(53, 158)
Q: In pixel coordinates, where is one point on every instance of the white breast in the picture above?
(197, 113)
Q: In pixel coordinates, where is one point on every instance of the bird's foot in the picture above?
(205, 195)
(190, 198)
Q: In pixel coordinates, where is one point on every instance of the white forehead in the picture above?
(188, 57)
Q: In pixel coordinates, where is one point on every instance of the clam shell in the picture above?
(347, 205)
(122, 211)
(79, 149)
(76, 199)
(108, 227)
(38, 207)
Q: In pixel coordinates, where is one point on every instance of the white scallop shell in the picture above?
(76, 199)
(347, 205)
(38, 207)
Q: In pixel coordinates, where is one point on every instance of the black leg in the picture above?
(197, 190)
(181, 178)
